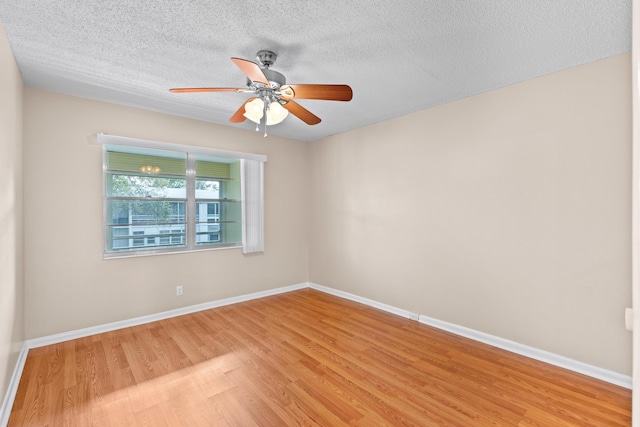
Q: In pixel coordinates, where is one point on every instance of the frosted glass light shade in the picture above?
(254, 110)
(276, 113)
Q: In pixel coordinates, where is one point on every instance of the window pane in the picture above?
(145, 212)
(222, 233)
(145, 237)
(232, 232)
(209, 237)
(219, 211)
(138, 241)
(120, 237)
(207, 189)
(231, 211)
(121, 185)
(207, 212)
(218, 222)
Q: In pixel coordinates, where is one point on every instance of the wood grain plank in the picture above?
(302, 358)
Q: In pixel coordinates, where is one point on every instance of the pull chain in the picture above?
(266, 103)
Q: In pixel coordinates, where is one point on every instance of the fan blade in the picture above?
(238, 116)
(251, 70)
(302, 113)
(205, 89)
(324, 92)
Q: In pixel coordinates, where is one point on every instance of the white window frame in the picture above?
(252, 194)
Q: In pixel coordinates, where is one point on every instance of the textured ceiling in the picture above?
(398, 56)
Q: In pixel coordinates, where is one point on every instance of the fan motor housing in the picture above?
(275, 78)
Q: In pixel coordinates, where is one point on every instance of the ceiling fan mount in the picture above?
(274, 98)
(266, 57)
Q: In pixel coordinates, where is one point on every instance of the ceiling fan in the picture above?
(273, 97)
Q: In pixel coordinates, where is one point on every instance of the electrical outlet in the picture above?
(628, 319)
(179, 290)
(414, 316)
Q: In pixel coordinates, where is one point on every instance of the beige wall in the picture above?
(506, 212)
(11, 211)
(69, 285)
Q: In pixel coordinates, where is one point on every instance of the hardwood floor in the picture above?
(301, 358)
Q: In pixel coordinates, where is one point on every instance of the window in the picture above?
(120, 237)
(138, 241)
(161, 198)
(164, 240)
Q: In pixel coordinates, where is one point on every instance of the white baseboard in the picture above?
(532, 352)
(93, 330)
(371, 303)
(9, 397)
(512, 346)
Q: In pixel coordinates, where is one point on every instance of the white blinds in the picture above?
(252, 206)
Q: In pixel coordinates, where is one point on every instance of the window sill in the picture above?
(136, 254)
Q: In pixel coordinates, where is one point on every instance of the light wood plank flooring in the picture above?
(301, 358)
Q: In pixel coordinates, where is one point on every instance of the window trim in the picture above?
(105, 139)
(191, 151)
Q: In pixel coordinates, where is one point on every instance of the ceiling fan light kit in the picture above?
(273, 99)
(254, 110)
(276, 113)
